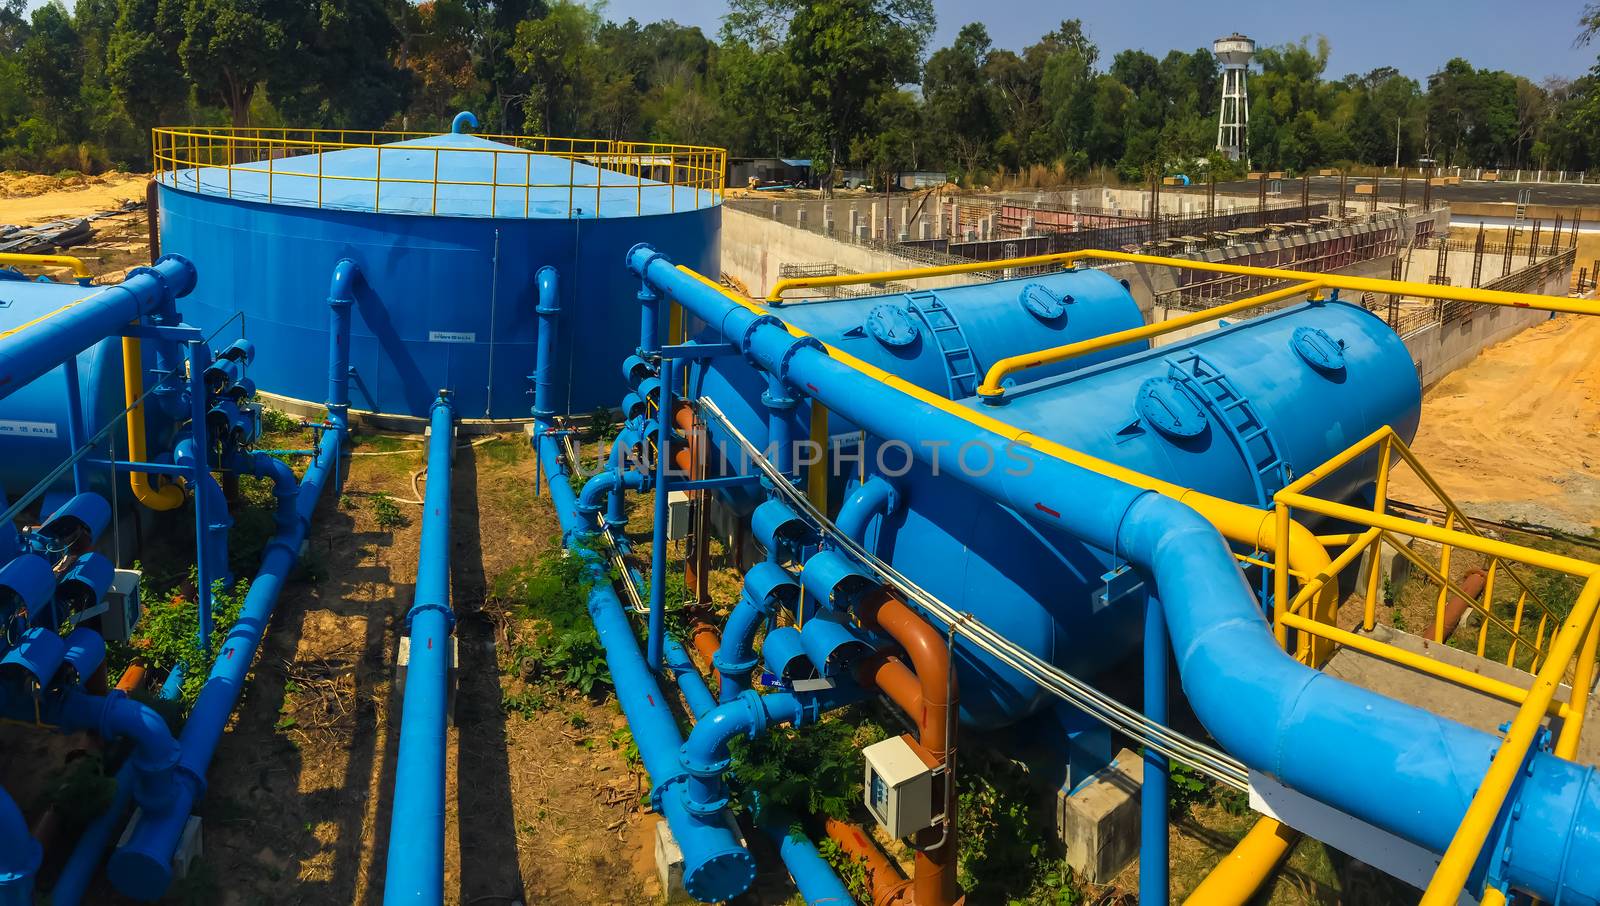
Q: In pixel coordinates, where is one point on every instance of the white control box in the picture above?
(899, 787)
(677, 515)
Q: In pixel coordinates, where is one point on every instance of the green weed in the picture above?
(387, 513)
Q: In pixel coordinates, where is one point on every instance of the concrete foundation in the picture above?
(669, 867)
(1099, 820)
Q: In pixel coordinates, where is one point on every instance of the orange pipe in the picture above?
(935, 876)
(883, 876)
(132, 678)
(1472, 583)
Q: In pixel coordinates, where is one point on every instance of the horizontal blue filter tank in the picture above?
(448, 293)
(33, 424)
(942, 340)
(1232, 413)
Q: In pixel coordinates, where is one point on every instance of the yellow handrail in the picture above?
(1450, 878)
(1005, 367)
(195, 149)
(79, 269)
(166, 496)
(1330, 281)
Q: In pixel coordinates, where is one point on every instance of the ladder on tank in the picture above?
(1237, 416)
(960, 365)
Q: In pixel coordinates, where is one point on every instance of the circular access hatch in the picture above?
(892, 326)
(1170, 409)
(1042, 303)
(1319, 350)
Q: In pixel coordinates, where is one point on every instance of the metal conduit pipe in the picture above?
(1308, 730)
(415, 872)
(724, 868)
(29, 350)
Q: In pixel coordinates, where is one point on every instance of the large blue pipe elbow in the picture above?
(602, 484)
(115, 716)
(142, 867)
(28, 352)
(872, 498)
(20, 855)
(416, 827)
(285, 487)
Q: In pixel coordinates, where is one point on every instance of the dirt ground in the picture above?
(27, 199)
(1512, 435)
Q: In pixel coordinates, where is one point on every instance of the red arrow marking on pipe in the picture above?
(1044, 509)
(430, 643)
(812, 387)
(652, 700)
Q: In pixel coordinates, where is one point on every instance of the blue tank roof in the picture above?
(559, 187)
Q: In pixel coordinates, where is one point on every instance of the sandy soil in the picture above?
(32, 199)
(1513, 434)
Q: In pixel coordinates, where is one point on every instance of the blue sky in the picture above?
(1527, 37)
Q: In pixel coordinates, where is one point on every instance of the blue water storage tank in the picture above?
(448, 250)
(942, 340)
(1233, 413)
(33, 425)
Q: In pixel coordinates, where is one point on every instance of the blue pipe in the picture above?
(544, 367)
(649, 320)
(116, 716)
(464, 120)
(724, 868)
(705, 753)
(216, 520)
(602, 485)
(142, 867)
(285, 487)
(818, 883)
(44, 344)
(658, 544)
(20, 855)
(780, 403)
(1153, 843)
(872, 498)
(341, 298)
(760, 598)
(416, 827)
(1338, 743)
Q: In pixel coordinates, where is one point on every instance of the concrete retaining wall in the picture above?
(1439, 349)
(754, 247)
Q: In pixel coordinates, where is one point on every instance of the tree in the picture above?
(555, 52)
(956, 98)
(230, 47)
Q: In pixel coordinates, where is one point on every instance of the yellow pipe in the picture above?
(1450, 878)
(1330, 281)
(167, 496)
(1234, 521)
(79, 269)
(817, 472)
(1000, 370)
(1241, 872)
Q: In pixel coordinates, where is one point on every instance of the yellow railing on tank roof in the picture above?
(244, 162)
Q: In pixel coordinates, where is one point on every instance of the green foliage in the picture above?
(275, 422)
(553, 590)
(387, 513)
(812, 771)
(852, 870)
(168, 633)
(80, 791)
(1187, 788)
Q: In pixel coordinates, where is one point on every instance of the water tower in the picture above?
(1234, 53)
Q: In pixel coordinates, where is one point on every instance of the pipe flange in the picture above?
(788, 354)
(748, 337)
(449, 615)
(730, 667)
(160, 278)
(649, 259)
(709, 808)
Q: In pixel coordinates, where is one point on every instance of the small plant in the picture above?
(576, 720)
(81, 791)
(275, 422)
(387, 513)
(816, 770)
(1186, 789)
(553, 591)
(603, 424)
(852, 870)
(168, 633)
(526, 703)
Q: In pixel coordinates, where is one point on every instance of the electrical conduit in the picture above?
(416, 827)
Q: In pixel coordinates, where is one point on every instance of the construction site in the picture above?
(465, 516)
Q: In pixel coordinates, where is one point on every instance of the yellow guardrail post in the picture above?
(1380, 503)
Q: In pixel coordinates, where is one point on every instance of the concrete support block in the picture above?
(827, 227)
(800, 217)
(1027, 225)
(827, 213)
(863, 233)
(877, 219)
(905, 218)
(669, 867)
(923, 229)
(777, 211)
(1098, 821)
